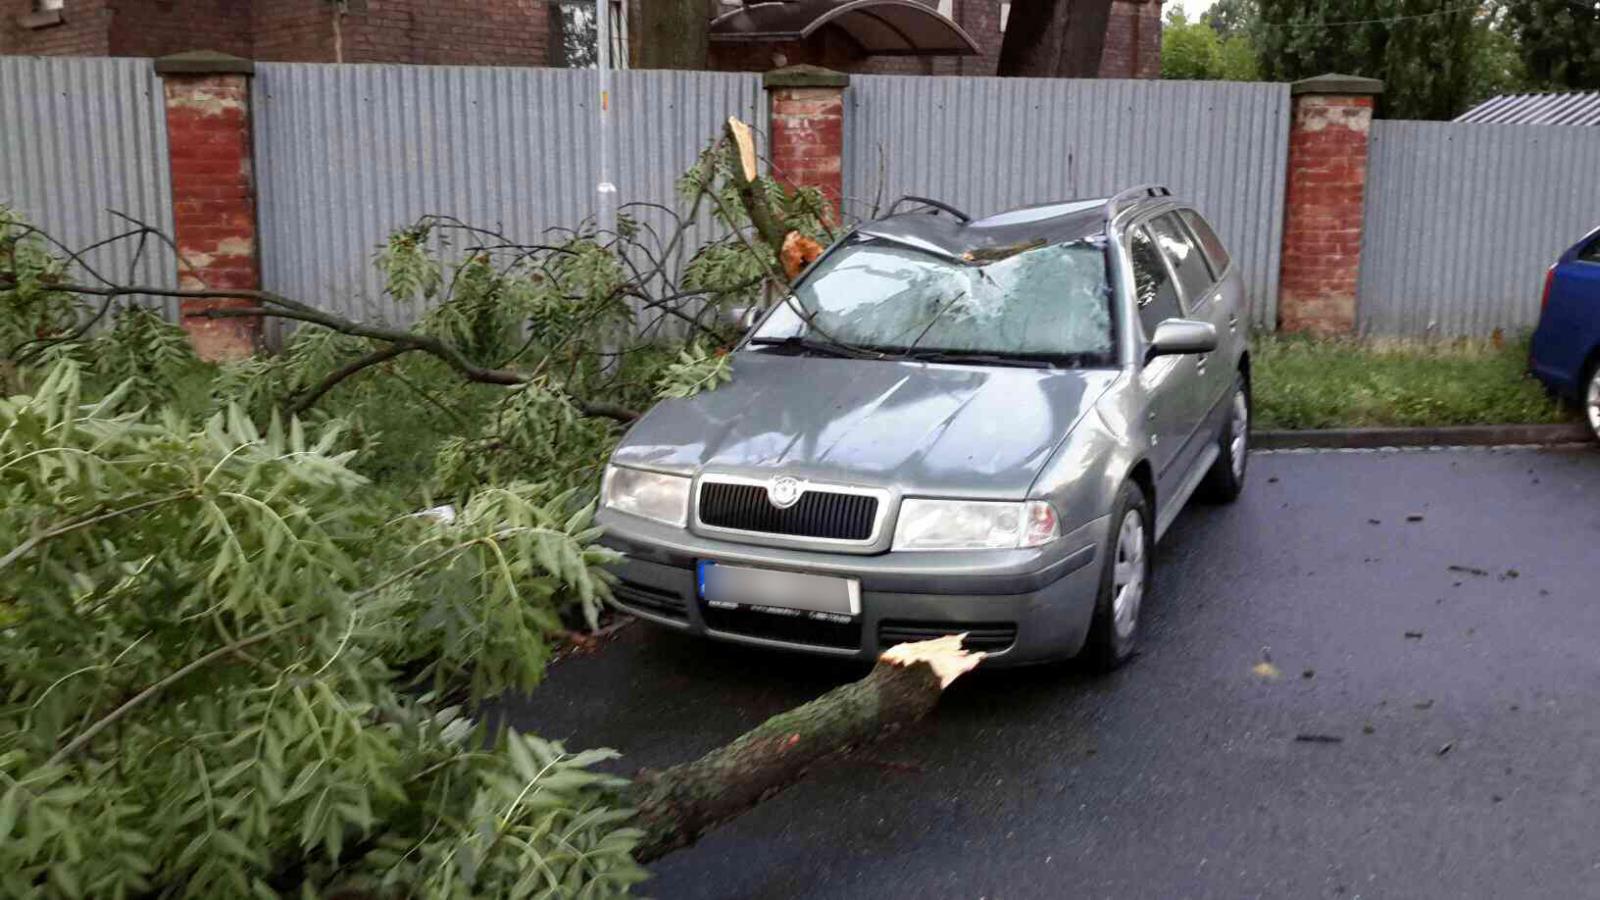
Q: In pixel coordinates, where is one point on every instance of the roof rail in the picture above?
(1129, 195)
(924, 201)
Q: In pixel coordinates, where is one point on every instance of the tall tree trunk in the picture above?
(1055, 38)
(677, 805)
(674, 34)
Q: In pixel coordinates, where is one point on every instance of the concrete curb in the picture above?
(1448, 436)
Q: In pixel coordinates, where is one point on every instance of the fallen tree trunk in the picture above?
(677, 805)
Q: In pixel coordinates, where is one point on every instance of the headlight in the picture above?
(649, 495)
(974, 525)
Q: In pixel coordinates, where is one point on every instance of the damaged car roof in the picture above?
(996, 236)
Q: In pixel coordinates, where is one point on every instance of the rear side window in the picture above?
(1209, 242)
(1193, 273)
(1590, 253)
(1153, 285)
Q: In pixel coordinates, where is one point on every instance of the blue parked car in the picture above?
(1566, 346)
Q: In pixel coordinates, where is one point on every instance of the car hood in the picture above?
(918, 428)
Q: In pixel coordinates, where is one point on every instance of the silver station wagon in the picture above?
(950, 426)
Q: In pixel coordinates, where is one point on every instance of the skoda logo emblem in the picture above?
(784, 491)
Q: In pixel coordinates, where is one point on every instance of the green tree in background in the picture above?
(1497, 63)
(1559, 41)
(1230, 17)
(1425, 51)
(1196, 51)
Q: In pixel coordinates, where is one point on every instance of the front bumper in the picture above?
(1020, 606)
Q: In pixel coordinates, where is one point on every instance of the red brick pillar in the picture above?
(1325, 203)
(213, 193)
(806, 147)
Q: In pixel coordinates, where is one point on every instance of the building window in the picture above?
(1005, 16)
(48, 5)
(573, 42)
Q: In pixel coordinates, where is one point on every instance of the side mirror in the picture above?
(1176, 337)
(739, 318)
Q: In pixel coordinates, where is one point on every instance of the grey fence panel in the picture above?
(1463, 219)
(347, 154)
(988, 144)
(83, 137)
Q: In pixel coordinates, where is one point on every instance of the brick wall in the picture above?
(213, 204)
(806, 141)
(83, 29)
(448, 32)
(163, 27)
(293, 30)
(1133, 40)
(1323, 204)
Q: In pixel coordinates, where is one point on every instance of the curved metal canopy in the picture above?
(881, 27)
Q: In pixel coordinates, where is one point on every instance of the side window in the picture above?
(1181, 252)
(1157, 293)
(1216, 254)
(1590, 253)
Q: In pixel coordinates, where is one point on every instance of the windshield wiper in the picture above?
(982, 359)
(821, 348)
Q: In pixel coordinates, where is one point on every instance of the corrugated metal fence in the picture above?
(1463, 219)
(988, 144)
(347, 154)
(82, 137)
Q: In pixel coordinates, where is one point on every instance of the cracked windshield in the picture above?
(1048, 302)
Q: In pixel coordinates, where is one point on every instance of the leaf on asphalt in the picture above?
(1267, 670)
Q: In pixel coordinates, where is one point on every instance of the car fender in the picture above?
(1088, 468)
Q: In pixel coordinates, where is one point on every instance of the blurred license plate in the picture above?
(820, 597)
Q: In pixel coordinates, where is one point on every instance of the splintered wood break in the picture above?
(747, 146)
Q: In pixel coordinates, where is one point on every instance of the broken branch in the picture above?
(677, 805)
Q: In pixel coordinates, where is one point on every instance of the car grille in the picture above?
(991, 637)
(818, 514)
(649, 599)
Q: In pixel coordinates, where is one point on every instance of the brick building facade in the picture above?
(425, 32)
(488, 32)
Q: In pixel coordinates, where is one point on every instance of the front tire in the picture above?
(1124, 581)
(1225, 480)
(1591, 401)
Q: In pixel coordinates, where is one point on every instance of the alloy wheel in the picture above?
(1592, 404)
(1241, 431)
(1128, 573)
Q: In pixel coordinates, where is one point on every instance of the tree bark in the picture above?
(1055, 39)
(676, 806)
(751, 196)
(675, 34)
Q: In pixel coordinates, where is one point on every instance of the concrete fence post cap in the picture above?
(204, 62)
(804, 77)
(1349, 85)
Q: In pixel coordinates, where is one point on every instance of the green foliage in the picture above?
(1497, 63)
(32, 311)
(199, 669)
(1197, 51)
(1559, 41)
(695, 371)
(536, 432)
(234, 659)
(1423, 50)
(1303, 383)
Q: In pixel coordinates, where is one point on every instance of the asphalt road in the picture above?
(1455, 660)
